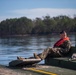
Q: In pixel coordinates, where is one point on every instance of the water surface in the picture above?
(12, 47)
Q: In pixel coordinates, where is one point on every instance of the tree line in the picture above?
(45, 25)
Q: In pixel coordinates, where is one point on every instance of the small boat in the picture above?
(23, 62)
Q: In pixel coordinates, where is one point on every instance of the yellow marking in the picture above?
(41, 71)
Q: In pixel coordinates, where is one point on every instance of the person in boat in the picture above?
(60, 48)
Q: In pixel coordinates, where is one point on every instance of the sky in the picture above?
(36, 8)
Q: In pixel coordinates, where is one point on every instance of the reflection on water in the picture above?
(10, 48)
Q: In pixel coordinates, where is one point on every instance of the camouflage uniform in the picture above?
(59, 51)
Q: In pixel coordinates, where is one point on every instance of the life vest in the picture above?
(60, 42)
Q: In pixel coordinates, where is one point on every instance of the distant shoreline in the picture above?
(20, 35)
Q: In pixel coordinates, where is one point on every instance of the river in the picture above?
(25, 46)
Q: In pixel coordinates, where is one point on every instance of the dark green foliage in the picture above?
(47, 25)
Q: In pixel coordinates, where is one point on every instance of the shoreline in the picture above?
(24, 35)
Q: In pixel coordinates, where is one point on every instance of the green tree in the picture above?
(39, 27)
